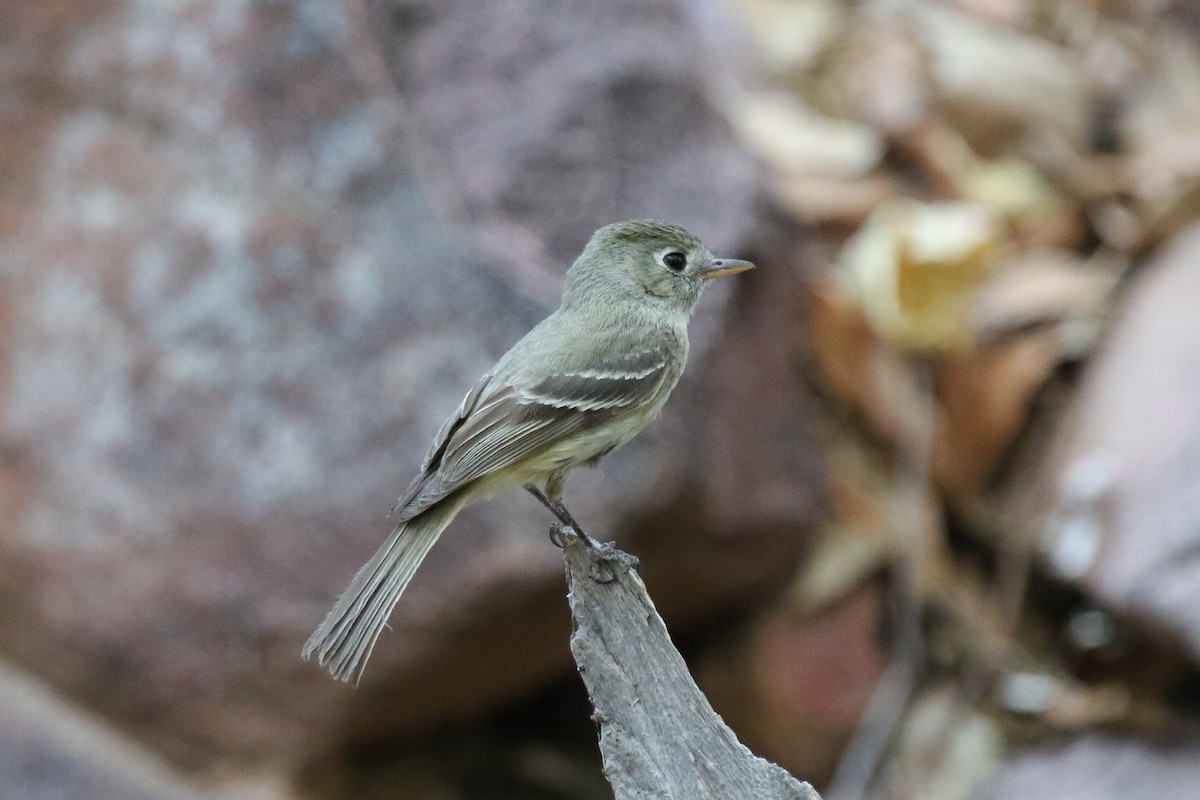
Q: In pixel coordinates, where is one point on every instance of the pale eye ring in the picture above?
(675, 261)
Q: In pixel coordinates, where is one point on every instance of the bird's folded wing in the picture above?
(503, 422)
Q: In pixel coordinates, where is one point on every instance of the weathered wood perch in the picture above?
(659, 737)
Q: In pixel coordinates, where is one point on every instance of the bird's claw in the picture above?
(560, 532)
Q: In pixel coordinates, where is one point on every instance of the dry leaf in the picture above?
(854, 364)
(1037, 213)
(995, 81)
(877, 74)
(820, 200)
(1044, 288)
(915, 267)
(983, 403)
(1162, 129)
(857, 539)
(790, 33)
(946, 750)
(795, 140)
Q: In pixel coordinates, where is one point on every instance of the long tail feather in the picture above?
(343, 642)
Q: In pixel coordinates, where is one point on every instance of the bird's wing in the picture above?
(502, 422)
(437, 449)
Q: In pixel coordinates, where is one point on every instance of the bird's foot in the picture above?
(560, 533)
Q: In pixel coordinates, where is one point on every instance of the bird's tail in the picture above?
(343, 642)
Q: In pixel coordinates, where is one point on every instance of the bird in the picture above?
(580, 384)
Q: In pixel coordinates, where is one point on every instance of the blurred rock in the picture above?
(556, 120)
(233, 317)
(1118, 504)
(795, 684)
(219, 326)
(1100, 768)
(50, 750)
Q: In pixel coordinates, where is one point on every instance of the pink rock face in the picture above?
(1119, 512)
(222, 339)
(1101, 768)
(231, 321)
(1124, 510)
(795, 687)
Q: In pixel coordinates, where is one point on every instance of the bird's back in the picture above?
(565, 394)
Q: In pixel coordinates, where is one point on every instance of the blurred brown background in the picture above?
(924, 514)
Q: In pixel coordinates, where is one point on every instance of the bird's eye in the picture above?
(676, 262)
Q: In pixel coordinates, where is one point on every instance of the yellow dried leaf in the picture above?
(915, 268)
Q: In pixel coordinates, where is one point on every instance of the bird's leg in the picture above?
(556, 529)
(554, 491)
(556, 507)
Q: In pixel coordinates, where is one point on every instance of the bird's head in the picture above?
(648, 262)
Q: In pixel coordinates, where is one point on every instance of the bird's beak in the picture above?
(720, 267)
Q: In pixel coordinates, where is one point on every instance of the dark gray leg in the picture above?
(556, 507)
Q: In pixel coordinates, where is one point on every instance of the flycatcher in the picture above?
(583, 382)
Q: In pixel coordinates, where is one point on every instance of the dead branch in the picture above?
(659, 736)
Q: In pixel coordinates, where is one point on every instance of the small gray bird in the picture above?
(583, 382)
